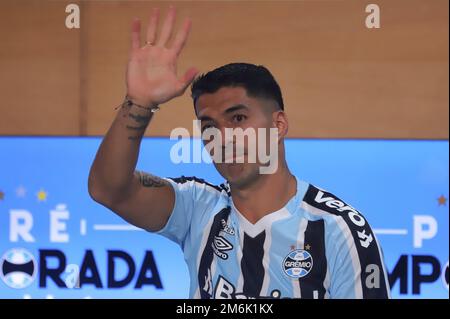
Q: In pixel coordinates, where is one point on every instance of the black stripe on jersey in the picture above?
(208, 252)
(226, 188)
(366, 245)
(252, 264)
(183, 179)
(315, 245)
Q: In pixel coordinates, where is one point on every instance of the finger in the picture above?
(187, 79)
(152, 25)
(135, 33)
(167, 27)
(182, 36)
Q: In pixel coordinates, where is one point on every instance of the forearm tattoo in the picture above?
(138, 122)
(137, 128)
(149, 180)
(139, 118)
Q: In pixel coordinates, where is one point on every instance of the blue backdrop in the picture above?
(50, 229)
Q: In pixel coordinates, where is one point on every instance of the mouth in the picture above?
(234, 159)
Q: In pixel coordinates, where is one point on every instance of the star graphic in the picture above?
(42, 195)
(2, 195)
(21, 191)
(442, 200)
(308, 247)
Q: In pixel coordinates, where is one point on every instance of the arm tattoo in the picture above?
(139, 118)
(137, 128)
(149, 180)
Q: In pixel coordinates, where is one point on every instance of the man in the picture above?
(256, 236)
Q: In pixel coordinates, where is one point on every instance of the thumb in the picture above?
(187, 79)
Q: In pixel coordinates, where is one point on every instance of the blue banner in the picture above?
(56, 242)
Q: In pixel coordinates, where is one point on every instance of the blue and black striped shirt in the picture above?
(316, 246)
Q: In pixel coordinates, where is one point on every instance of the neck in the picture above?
(267, 194)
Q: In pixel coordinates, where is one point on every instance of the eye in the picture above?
(239, 118)
(207, 126)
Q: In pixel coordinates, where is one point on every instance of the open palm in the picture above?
(152, 69)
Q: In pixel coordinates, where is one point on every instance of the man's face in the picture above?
(231, 107)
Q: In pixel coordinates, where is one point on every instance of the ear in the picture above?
(281, 122)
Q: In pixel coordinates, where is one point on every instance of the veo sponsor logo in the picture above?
(355, 217)
(419, 269)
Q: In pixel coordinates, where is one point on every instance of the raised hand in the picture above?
(152, 69)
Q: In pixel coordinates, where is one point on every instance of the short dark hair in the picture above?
(255, 79)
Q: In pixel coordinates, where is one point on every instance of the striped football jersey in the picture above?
(316, 246)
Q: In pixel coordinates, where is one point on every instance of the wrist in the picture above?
(141, 103)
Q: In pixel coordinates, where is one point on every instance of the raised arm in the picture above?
(140, 198)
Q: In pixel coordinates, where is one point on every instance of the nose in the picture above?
(227, 137)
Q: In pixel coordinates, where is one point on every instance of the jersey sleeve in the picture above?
(358, 272)
(355, 260)
(194, 198)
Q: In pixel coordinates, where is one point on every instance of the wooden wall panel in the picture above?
(39, 70)
(339, 79)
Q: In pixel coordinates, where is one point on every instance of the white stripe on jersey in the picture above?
(200, 252)
(350, 243)
(253, 230)
(266, 262)
(300, 245)
(213, 272)
(384, 268)
(326, 283)
(240, 283)
(264, 223)
(353, 253)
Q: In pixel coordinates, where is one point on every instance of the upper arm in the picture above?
(194, 203)
(167, 206)
(148, 202)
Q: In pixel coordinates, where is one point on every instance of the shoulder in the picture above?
(351, 246)
(196, 202)
(198, 187)
(321, 202)
(338, 215)
(195, 181)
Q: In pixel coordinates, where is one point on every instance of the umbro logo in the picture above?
(220, 245)
(227, 228)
